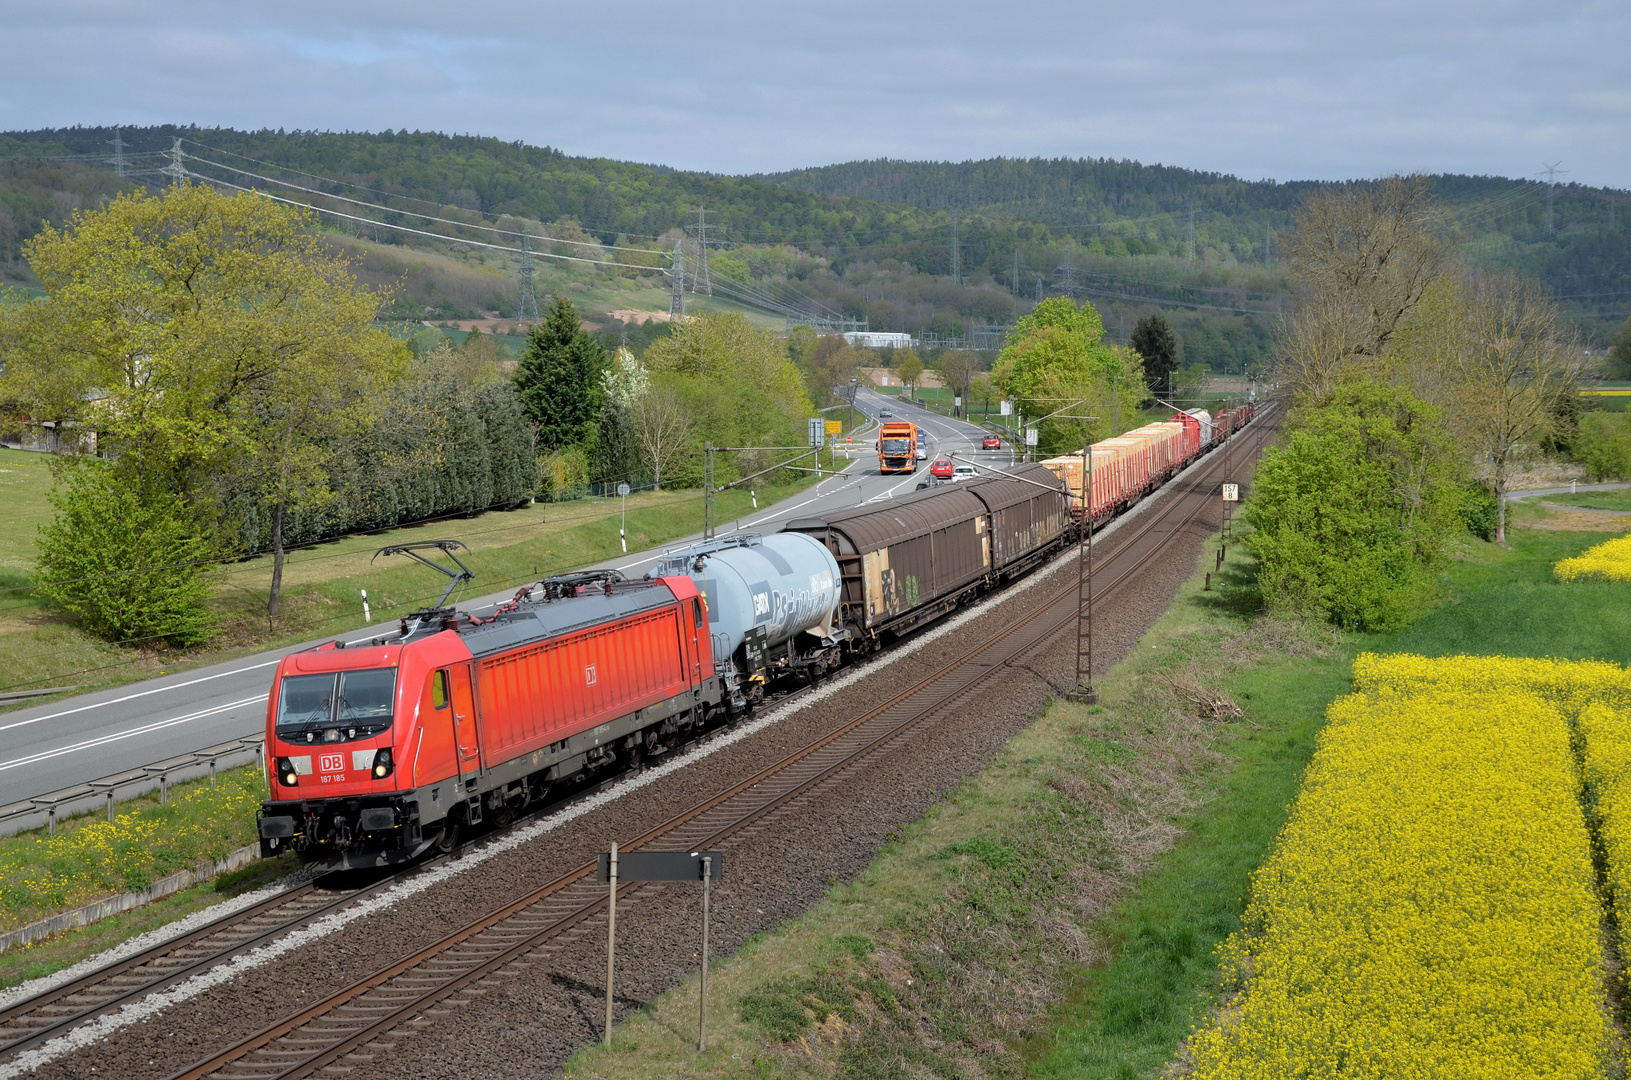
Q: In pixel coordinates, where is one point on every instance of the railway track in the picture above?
(323, 1034)
(34, 1020)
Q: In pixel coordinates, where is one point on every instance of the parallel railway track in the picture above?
(327, 1032)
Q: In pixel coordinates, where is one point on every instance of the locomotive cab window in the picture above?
(696, 614)
(336, 707)
(438, 689)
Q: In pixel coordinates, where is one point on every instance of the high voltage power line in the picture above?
(411, 213)
(796, 306)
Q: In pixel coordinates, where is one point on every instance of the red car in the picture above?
(940, 468)
(991, 442)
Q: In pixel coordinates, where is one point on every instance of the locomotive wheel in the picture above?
(448, 839)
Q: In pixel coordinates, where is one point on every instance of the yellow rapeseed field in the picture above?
(1605, 737)
(1608, 561)
(1430, 908)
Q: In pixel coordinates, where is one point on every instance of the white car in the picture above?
(922, 454)
(964, 472)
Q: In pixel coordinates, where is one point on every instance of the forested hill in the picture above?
(492, 177)
(1064, 191)
(876, 239)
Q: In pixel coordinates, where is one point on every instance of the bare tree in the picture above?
(662, 426)
(1363, 256)
(1517, 363)
(957, 368)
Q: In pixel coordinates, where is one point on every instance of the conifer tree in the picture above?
(1154, 340)
(559, 379)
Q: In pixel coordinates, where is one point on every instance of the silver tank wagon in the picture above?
(762, 593)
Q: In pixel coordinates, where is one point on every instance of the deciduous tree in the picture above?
(957, 368)
(1363, 256)
(736, 385)
(1354, 510)
(202, 334)
(909, 368)
(127, 558)
(1056, 354)
(1517, 361)
(1619, 353)
(662, 424)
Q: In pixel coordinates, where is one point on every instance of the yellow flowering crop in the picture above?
(1608, 561)
(1605, 736)
(1430, 908)
(1568, 684)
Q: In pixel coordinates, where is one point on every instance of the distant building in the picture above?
(870, 339)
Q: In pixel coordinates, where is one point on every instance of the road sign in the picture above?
(1231, 492)
(1030, 436)
(623, 490)
(818, 434)
(704, 866)
(1007, 408)
(835, 427)
(661, 865)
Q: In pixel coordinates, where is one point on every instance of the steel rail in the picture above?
(343, 1034)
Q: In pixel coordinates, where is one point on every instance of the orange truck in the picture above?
(897, 447)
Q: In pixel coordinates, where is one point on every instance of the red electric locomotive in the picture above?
(377, 752)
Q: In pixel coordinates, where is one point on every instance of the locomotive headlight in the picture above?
(286, 772)
(383, 764)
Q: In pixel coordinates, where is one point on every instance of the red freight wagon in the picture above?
(377, 752)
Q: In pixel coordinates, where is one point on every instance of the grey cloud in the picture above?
(1281, 89)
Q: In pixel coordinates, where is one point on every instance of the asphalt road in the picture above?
(77, 739)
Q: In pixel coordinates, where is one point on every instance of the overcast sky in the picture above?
(1279, 89)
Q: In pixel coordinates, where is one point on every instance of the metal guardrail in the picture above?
(45, 809)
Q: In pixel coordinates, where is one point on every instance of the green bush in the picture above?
(564, 473)
(1353, 513)
(1478, 510)
(1603, 445)
(132, 561)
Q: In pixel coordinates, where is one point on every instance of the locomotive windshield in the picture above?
(346, 705)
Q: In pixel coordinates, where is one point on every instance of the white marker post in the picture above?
(623, 529)
(367, 616)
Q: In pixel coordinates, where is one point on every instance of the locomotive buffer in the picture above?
(703, 866)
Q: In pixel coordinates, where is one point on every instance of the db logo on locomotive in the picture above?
(331, 763)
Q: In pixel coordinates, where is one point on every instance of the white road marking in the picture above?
(103, 740)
